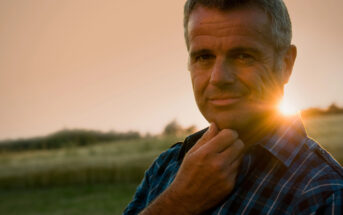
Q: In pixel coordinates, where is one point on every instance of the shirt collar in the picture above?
(189, 143)
(284, 143)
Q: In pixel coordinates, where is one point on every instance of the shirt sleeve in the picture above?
(142, 196)
(139, 201)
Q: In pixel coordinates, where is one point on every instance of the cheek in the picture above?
(253, 81)
(199, 83)
(264, 90)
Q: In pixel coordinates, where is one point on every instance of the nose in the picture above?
(222, 74)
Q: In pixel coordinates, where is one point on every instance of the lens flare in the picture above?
(286, 108)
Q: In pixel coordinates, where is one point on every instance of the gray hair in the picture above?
(281, 26)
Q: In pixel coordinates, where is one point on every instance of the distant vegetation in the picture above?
(65, 138)
(80, 137)
(175, 129)
(331, 110)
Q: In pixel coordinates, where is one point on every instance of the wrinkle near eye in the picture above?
(245, 59)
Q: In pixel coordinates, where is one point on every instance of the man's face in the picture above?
(233, 65)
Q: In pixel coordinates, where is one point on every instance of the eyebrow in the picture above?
(235, 50)
(199, 52)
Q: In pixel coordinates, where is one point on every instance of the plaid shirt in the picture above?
(285, 173)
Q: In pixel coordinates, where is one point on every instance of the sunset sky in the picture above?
(122, 65)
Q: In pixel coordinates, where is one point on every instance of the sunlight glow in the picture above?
(286, 108)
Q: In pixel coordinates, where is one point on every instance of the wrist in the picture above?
(170, 202)
(181, 201)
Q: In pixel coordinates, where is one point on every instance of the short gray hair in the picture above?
(281, 26)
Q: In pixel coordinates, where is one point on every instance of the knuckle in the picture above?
(195, 155)
(201, 155)
(217, 165)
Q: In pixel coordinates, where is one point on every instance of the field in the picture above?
(101, 179)
(102, 199)
(328, 131)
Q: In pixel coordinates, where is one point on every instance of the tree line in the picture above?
(65, 138)
(82, 137)
(331, 110)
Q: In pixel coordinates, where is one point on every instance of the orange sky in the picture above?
(120, 65)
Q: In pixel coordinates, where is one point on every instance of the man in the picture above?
(250, 160)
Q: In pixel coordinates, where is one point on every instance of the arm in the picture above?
(207, 175)
(166, 204)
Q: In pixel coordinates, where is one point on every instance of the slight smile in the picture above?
(225, 101)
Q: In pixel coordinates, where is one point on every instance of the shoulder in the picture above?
(319, 167)
(324, 165)
(170, 154)
(319, 174)
(168, 159)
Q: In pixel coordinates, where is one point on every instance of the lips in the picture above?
(225, 101)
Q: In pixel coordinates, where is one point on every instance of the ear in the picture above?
(288, 63)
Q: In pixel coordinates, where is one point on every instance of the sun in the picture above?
(286, 108)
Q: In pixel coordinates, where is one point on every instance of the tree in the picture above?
(172, 128)
(333, 108)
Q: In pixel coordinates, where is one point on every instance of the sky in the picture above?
(122, 65)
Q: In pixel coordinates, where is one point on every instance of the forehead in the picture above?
(249, 22)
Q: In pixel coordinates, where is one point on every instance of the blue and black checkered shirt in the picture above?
(286, 173)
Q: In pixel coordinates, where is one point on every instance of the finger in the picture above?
(211, 132)
(234, 166)
(224, 139)
(233, 173)
(234, 152)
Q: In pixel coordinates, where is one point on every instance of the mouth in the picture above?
(225, 101)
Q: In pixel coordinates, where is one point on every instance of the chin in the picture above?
(232, 120)
(239, 117)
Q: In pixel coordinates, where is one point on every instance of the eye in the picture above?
(245, 58)
(204, 58)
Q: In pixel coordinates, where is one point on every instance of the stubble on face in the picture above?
(232, 58)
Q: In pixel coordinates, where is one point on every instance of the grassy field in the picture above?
(328, 131)
(101, 179)
(102, 199)
(101, 163)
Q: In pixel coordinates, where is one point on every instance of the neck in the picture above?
(260, 127)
